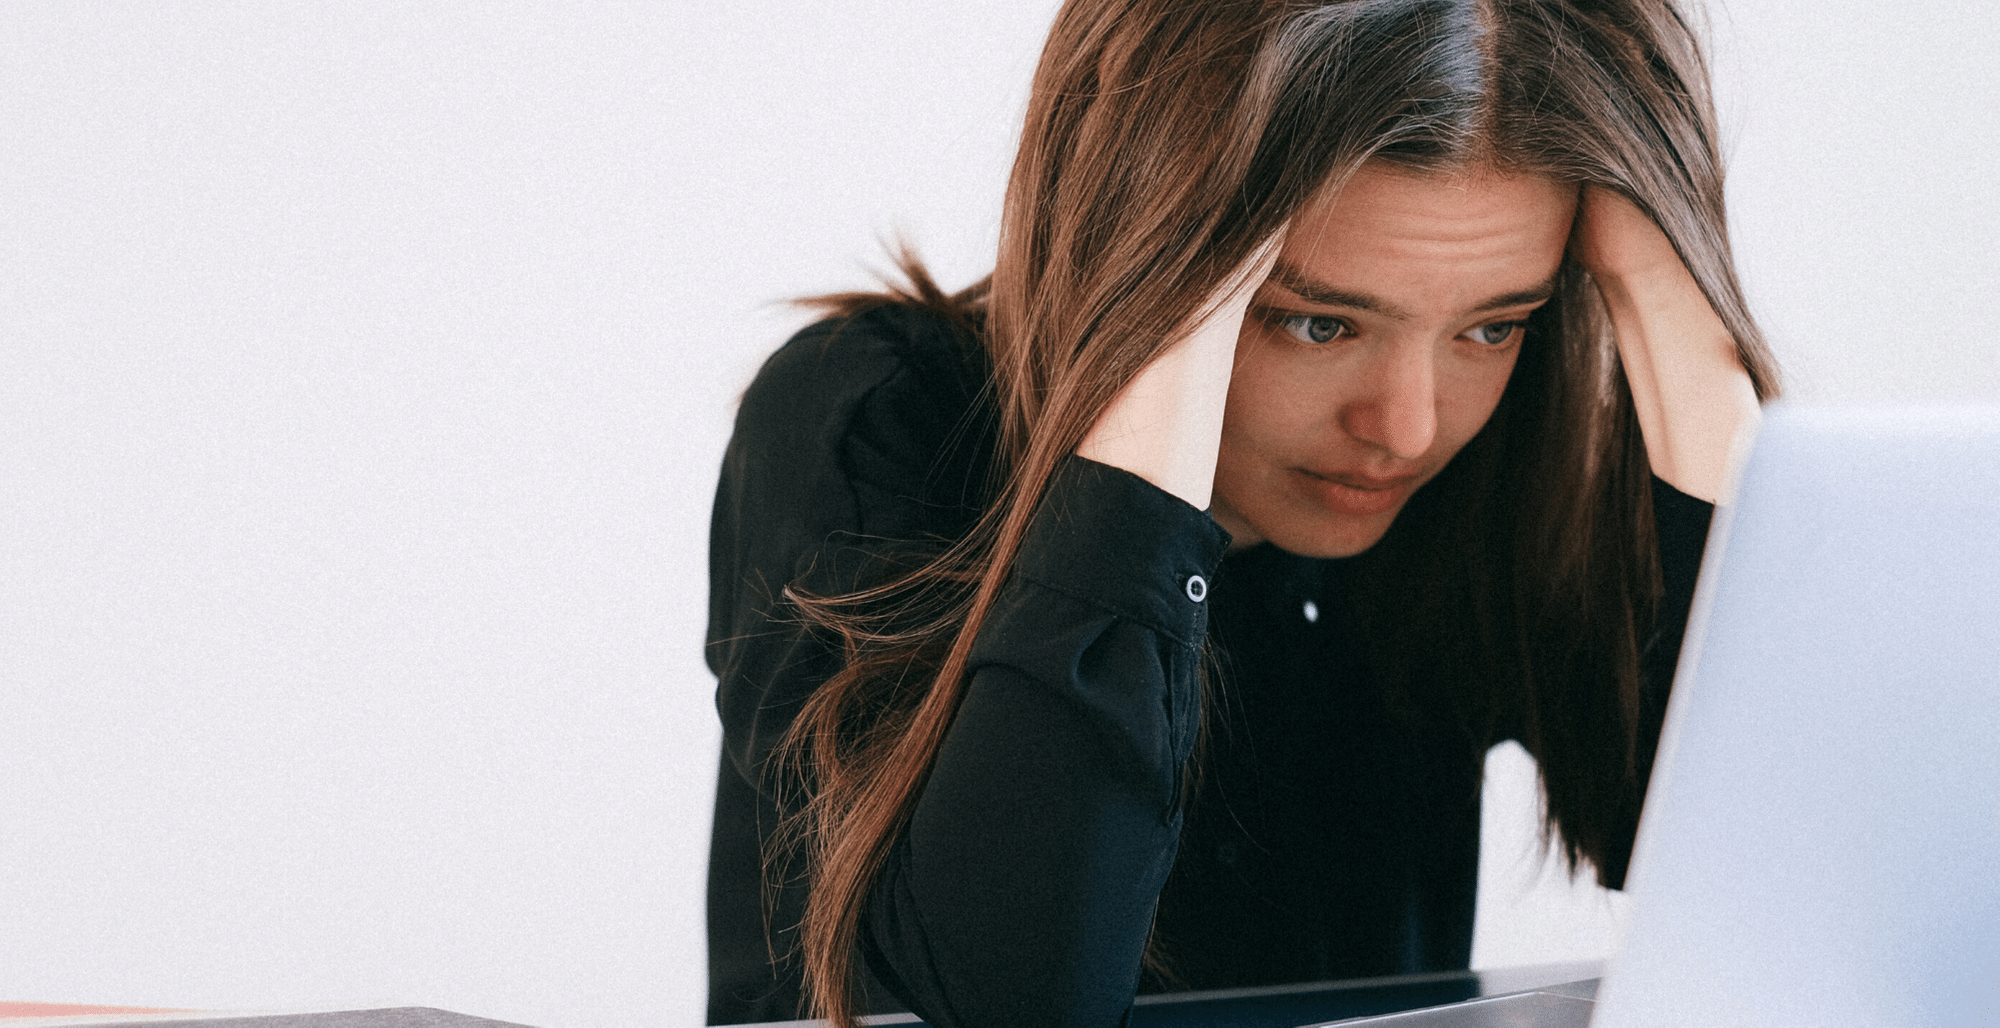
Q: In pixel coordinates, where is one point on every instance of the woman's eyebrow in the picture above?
(1538, 295)
(1325, 295)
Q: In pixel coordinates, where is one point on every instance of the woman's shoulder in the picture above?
(914, 352)
(893, 400)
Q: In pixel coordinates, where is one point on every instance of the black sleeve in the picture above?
(1024, 890)
(858, 446)
(856, 450)
(1681, 523)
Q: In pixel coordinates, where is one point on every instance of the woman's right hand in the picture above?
(1166, 424)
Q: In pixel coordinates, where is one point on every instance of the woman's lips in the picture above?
(1357, 495)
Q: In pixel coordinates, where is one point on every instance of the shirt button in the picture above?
(1311, 612)
(1197, 588)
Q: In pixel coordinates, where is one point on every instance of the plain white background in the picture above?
(364, 369)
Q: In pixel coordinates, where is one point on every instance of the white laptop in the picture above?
(1821, 841)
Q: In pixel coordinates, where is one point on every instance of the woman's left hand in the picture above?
(1693, 397)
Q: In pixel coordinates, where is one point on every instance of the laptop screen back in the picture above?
(1821, 843)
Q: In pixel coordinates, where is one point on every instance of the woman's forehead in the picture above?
(1388, 230)
(1381, 181)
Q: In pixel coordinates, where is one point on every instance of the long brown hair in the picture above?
(1164, 140)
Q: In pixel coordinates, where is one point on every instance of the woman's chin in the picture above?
(1325, 535)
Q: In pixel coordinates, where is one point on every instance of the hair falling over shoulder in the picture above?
(1164, 140)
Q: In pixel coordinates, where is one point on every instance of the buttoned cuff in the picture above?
(1115, 540)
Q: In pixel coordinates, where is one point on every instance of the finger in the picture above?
(1615, 238)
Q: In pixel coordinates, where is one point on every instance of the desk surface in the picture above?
(1280, 1006)
(1288, 1006)
(62, 1015)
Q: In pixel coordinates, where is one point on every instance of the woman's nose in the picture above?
(1395, 407)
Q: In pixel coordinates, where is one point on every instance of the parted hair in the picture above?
(1164, 141)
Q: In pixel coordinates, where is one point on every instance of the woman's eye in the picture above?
(1500, 333)
(1310, 328)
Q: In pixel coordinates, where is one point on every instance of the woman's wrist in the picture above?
(1165, 426)
(1694, 399)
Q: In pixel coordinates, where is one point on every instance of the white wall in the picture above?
(364, 367)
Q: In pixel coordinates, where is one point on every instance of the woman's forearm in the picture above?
(1693, 396)
(1023, 890)
(1166, 424)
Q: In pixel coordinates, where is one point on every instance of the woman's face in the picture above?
(1378, 347)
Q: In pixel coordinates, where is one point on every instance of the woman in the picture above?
(1429, 303)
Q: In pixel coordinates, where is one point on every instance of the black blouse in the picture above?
(1324, 832)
